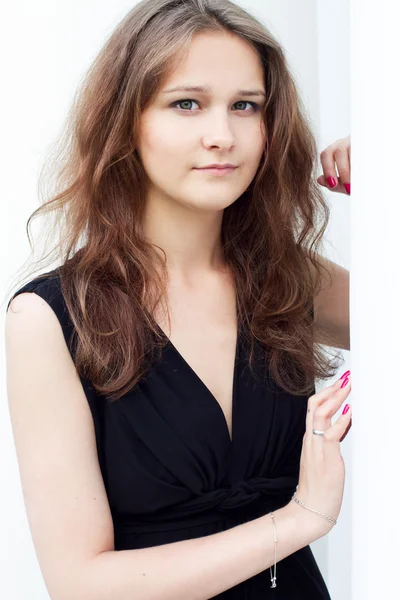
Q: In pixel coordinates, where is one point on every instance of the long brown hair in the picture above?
(270, 234)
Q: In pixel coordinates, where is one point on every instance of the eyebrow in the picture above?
(206, 90)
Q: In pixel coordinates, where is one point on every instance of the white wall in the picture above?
(46, 47)
(374, 298)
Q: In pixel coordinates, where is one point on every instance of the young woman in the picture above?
(189, 225)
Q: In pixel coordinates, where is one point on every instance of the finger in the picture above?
(349, 157)
(339, 188)
(321, 181)
(324, 412)
(341, 157)
(336, 432)
(347, 431)
(322, 396)
(328, 166)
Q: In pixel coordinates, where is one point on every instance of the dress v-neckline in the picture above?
(206, 389)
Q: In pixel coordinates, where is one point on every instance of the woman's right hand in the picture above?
(322, 468)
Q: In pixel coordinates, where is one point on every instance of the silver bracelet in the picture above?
(273, 578)
(331, 519)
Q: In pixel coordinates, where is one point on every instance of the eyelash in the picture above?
(256, 107)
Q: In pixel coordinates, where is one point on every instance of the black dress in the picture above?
(171, 471)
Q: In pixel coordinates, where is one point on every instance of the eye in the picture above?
(183, 102)
(254, 105)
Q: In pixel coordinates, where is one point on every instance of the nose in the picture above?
(219, 132)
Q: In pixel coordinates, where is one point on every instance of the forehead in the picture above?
(217, 60)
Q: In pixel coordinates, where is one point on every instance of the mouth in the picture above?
(218, 171)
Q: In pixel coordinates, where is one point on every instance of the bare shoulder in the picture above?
(65, 499)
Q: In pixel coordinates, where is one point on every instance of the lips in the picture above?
(217, 171)
(227, 166)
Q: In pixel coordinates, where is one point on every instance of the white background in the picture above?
(46, 48)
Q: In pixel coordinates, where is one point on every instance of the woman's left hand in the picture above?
(339, 153)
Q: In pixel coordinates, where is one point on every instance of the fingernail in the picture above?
(345, 374)
(331, 182)
(347, 186)
(346, 408)
(345, 382)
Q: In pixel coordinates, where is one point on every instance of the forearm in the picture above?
(200, 568)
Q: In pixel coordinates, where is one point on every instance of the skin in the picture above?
(337, 156)
(184, 207)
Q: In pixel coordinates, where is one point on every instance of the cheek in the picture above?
(254, 153)
(163, 153)
(258, 155)
(162, 142)
(251, 140)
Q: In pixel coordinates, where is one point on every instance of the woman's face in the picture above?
(182, 131)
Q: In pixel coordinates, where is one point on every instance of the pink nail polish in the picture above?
(347, 187)
(346, 408)
(345, 382)
(345, 374)
(331, 182)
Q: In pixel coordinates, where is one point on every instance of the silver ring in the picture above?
(318, 432)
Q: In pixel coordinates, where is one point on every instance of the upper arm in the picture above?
(65, 499)
(332, 306)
